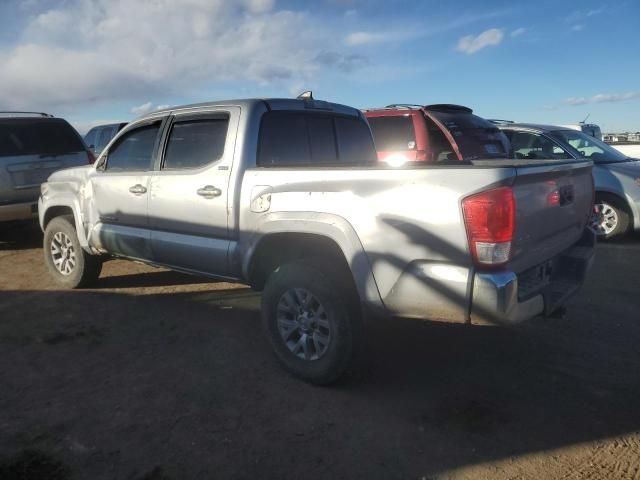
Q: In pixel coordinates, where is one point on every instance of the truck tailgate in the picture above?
(553, 205)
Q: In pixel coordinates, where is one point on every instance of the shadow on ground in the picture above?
(116, 385)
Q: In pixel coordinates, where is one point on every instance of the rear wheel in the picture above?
(610, 219)
(67, 262)
(308, 322)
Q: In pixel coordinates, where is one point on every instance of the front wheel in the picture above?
(308, 322)
(609, 218)
(69, 265)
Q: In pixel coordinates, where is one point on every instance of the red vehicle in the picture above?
(434, 133)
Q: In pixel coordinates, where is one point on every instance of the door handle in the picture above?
(209, 191)
(138, 189)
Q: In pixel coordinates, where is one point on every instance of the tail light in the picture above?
(90, 157)
(490, 220)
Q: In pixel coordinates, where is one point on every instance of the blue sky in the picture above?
(102, 60)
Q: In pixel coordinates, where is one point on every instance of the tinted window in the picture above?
(288, 138)
(104, 136)
(322, 139)
(195, 143)
(532, 146)
(90, 137)
(134, 150)
(35, 136)
(355, 143)
(284, 139)
(393, 133)
(476, 137)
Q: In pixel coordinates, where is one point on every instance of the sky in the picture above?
(549, 61)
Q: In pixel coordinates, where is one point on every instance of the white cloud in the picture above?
(142, 109)
(472, 44)
(578, 27)
(517, 32)
(83, 52)
(365, 38)
(601, 98)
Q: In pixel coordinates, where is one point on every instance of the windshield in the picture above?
(588, 147)
(476, 137)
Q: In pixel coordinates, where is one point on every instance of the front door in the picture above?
(188, 192)
(120, 186)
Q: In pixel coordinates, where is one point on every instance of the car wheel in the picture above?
(308, 322)
(68, 263)
(609, 218)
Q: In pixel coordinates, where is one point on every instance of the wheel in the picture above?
(309, 322)
(67, 262)
(609, 219)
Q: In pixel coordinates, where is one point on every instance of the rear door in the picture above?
(188, 204)
(31, 149)
(121, 191)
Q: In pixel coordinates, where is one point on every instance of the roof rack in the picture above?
(403, 105)
(8, 114)
(499, 121)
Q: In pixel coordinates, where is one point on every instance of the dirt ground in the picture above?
(156, 375)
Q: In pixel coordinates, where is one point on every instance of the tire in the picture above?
(67, 262)
(610, 218)
(302, 299)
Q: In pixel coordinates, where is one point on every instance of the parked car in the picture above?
(32, 146)
(616, 176)
(440, 134)
(288, 197)
(98, 137)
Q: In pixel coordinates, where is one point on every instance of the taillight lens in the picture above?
(490, 219)
(91, 157)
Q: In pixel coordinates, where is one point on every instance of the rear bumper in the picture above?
(509, 298)
(18, 211)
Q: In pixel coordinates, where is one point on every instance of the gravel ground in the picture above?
(157, 375)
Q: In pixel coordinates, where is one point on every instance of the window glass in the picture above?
(196, 143)
(322, 139)
(134, 150)
(476, 137)
(38, 136)
(532, 146)
(104, 136)
(284, 139)
(589, 147)
(355, 143)
(440, 149)
(90, 137)
(393, 133)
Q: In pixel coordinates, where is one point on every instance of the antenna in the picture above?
(585, 119)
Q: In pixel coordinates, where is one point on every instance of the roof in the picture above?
(531, 126)
(269, 103)
(7, 114)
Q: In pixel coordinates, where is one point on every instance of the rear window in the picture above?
(393, 133)
(292, 138)
(35, 136)
(476, 137)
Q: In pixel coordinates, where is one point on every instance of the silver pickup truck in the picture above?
(287, 196)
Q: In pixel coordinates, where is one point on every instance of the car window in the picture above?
(133, 151)
(355, 143)
(440, 149)
(476, 137)
(38, 136)
(104, 136)
(589, 147)
(90, 137)
(534, 146)
(292, 138)
(195, 143)
(394, 133)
